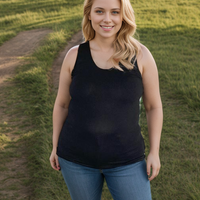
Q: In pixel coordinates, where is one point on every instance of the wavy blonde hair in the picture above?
(125, 46)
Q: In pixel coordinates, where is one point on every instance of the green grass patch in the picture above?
(3, 140)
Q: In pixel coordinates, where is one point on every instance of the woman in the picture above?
(96, 134)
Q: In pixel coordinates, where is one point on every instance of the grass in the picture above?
(19, 15)
(170, 29)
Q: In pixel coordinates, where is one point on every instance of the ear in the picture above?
(89, 17)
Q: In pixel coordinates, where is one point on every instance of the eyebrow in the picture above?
(111, 9)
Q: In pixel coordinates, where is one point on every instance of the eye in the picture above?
(99, 11)
(115, 12)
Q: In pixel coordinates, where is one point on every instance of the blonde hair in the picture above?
(125, 46)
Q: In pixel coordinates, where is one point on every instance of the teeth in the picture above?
(107, 27)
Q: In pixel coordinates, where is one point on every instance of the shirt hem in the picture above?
(108, 166)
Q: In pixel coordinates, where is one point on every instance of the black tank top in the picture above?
(102, 128)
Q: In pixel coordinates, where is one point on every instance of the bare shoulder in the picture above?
(145, 59)
(70, 59)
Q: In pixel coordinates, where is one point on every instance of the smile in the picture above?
(107, 28)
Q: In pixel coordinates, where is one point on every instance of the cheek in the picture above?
(119, 19)
(94, 23)
(95, 19)
(118, 22)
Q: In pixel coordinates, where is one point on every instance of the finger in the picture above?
(154, 174)
(57, 164)
(148, 168)
(158, 172)
(53, 165)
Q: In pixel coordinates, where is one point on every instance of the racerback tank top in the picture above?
(102, 128)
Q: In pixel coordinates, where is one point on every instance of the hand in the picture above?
(54, 160)
(153, 162)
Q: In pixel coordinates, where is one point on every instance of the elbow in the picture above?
(61, 106)
(149, 108)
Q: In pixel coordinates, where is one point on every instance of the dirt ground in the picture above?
(13, 173)
(11, 180)
(21, 45)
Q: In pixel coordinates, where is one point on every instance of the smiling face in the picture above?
(106, 18)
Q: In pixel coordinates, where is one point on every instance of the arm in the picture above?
(153, 106)
(63, 98)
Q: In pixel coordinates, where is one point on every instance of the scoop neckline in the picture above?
(110, 69)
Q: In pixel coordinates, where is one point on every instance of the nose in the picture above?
(107, 18)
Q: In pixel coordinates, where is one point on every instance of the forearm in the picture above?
(154, 122)
(59, 116)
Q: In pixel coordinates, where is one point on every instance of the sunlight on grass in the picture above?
(12, 23)
(3, 140)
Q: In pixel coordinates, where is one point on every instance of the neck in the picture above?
(104, 44)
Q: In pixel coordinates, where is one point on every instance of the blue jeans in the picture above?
(129, 182)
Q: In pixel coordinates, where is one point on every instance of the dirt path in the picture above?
(21, 45)
(13, 172)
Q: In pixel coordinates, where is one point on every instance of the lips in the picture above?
(107, 27)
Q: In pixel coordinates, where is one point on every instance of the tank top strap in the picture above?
(135, 69)
(82, 58)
